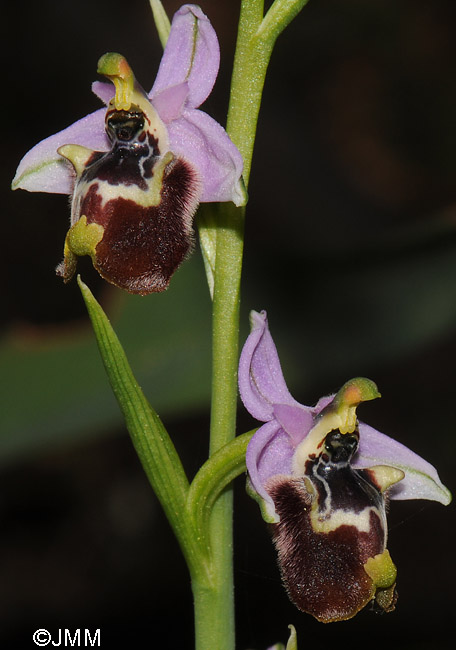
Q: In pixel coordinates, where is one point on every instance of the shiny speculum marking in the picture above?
(332, 521)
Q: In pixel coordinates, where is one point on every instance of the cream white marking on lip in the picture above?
(107, 191)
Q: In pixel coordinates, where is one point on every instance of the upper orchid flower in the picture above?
(322, 479)
(139, 169)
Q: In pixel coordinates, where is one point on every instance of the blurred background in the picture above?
(351, 248)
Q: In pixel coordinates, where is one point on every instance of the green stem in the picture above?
(214, 609)
(214, 606)
(256, 39)
(249, 70)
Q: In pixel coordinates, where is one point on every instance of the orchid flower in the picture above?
(322, 480)
(139, 169)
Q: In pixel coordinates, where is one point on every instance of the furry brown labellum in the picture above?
(132, 206)
(331, 537)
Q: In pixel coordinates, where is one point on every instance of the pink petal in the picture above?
(205, 144)
(297, 421)
(43, 170)
(269, 453)
(421, 480)
(191, 54)
(261, 382)
(169, 103)
(104, 91)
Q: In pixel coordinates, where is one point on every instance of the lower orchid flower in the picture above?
(323, 479)
(138, 170)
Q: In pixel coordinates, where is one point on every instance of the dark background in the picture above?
(350, 246)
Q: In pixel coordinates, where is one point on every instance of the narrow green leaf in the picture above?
(216, 473)
(150, 438)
